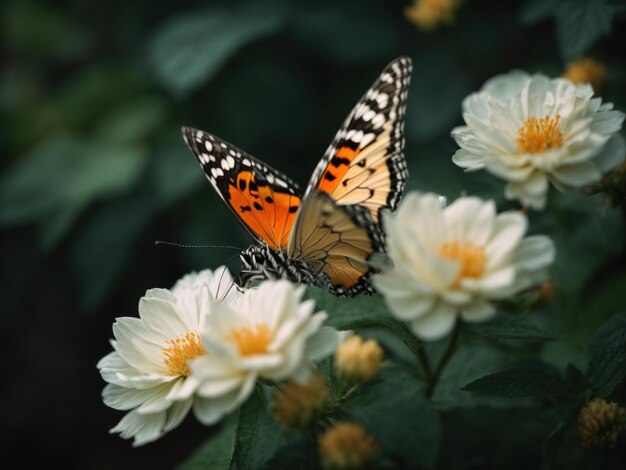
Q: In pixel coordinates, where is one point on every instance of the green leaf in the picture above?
(470, 362)
(132, 121)
(217, 452)
(62, 177)
(538, 380)
(258, 436)
(395, 412)
(361, 312)
(300, 454)
(508, 327)
(607, 357)
(539, 10)
(187, 51)
(580, 23)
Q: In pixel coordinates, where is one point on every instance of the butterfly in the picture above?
(329, 235)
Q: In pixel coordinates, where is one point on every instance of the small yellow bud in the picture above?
(347, 446)
(428, 14)
(546, 292)
(298, 405)
(358, 360)
(600, 423)
(586, 70)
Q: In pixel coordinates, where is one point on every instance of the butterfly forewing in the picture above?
(264, 200)
(336, 240)
(364, 165)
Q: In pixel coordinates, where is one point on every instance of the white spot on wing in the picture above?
(382, 100)
(367, 139)
(357, 136)
(378, 121)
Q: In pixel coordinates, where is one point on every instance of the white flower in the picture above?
(148, 373)
(452, 261)
(530, 130)
(220, 283)
(266, 333)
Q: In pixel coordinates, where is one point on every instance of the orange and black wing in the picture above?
(365, 164)
(339, 241)
(264, 200)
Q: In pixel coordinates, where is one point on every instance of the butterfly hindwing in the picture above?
(264, 200)
(365, 165)
(336, 240)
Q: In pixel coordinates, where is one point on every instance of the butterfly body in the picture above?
(262, 262)
(329, 235)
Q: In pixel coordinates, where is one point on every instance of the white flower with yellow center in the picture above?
(148, 373)
(450, 262)
(530, 130)
(266, 333)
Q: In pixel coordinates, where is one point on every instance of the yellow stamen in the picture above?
(470, 257)
(253, 340)
(179, 352)
(539, 135)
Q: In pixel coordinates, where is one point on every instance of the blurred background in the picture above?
(92, 98)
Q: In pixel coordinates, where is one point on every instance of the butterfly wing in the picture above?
(264, 200)
(364, 165)
(337, 240)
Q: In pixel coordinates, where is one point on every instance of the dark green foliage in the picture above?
(579, 23)
(217, 452)
(258, 435)
(607, 357)
(92, 98)
(510, 327)
(395, 412)
(537, 380)
(189, 50)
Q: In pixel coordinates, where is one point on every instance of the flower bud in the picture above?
(358, 360)
(298, 405)
(600, 423)
(347, 446)
(586, 70)
(429, 14)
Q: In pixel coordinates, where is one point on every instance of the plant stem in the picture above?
(443, 360)
(425, 363)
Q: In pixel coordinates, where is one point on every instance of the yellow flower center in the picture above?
(254, 340)
(470, 257)
(539, 135)
(179, 352)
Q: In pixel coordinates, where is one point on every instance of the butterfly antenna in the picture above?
(219, 284)
(180, 245)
